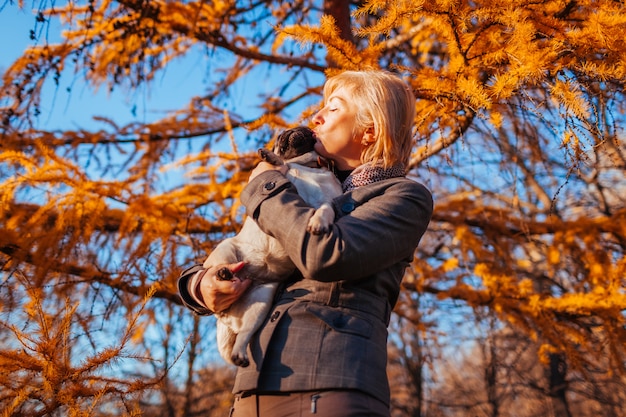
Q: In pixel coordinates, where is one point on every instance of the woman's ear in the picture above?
(368, 137)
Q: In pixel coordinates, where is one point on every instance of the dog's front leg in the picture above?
(321, 220)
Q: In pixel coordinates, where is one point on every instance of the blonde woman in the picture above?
(322, 349)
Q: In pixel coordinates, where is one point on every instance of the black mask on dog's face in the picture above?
(294, 142)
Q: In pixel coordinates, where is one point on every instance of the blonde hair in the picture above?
(386, 104)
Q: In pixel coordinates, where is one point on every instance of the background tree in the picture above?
(520, 136)
(516, 385)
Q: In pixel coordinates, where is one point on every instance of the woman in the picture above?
(322, 349)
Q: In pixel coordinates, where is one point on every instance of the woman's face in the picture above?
(335, 129)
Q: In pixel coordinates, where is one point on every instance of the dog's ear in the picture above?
(281, 145)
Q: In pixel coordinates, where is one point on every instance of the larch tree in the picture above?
(519, 134)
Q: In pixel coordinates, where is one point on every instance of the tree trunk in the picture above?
(558, 385)
(340, 10)
(491, 376)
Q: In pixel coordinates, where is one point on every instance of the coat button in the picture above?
(269, 186)
(348, 207)
(274, 316)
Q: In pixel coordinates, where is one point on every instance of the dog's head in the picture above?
(294, 142)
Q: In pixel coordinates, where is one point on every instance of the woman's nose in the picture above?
(317, 119)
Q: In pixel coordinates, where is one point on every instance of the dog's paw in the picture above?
(240, 360)
(224, 274)
(263, 153)
(321, 220)
(271, 157)
(316, 227)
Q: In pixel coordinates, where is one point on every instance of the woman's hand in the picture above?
(266, 166)
(219, 294)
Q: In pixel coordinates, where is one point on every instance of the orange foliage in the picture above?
(519, 135)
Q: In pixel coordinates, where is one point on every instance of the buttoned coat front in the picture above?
(328, 328)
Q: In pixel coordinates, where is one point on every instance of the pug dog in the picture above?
(264, 259)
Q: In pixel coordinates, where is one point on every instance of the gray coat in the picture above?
(328, 328)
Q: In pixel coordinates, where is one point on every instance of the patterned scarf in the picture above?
(368, 174)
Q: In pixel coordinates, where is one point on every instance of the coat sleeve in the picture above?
(375, 226)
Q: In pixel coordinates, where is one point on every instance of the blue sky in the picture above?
(67, 110)
(171, 90)
(14, 26)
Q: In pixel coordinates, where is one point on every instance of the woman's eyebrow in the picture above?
(334, 98)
